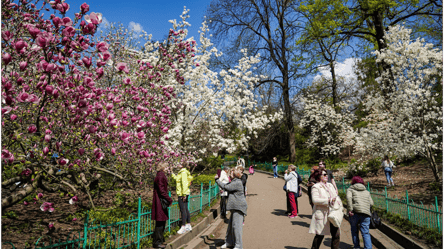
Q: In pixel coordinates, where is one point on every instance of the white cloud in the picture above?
(344, 69)
(136, 27)
(104, 25)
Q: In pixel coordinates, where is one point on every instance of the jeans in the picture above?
(183, 205)
(275, 171)
(364, 220)
(388, 176)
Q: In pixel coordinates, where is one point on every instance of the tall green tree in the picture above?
(269, 28)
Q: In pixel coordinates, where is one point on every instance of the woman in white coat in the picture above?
(224, 194)
(323, 194)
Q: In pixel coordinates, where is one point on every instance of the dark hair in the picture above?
(357, 179)
(317, 174)
(386, 158)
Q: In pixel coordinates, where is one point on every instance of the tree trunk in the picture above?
(334, 87)
(289, 120)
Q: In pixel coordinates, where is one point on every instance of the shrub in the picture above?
(205, 179)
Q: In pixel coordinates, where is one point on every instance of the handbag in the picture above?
(285, 187)
(164, 202)
(375, 221)
(336, 214)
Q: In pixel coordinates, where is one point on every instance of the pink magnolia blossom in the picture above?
(19, 45)
(122, 67)
(81, 151)
(62, 7)
(25, 203)
(94, 18)
(23, 65)
(6, 155)
(47, 206)
(87, 61)
(6, 58)
(39, 195)
(102, 47)
(57, 21)
(6, 35)
(26, 172)
(84, 8)
(63, 161)
(32, 129)
(67, 21)
(51, 224)
(69, 31)
(13, 117)
(45, 150)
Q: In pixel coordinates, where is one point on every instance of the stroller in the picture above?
(251, 170)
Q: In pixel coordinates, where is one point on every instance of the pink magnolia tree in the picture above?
(52, 104)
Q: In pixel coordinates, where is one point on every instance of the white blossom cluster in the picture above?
(408, 119)
(321, 117)
(213, 110)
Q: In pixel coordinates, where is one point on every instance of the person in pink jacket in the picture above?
(323, 194)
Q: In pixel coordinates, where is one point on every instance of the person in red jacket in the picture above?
(158, 214)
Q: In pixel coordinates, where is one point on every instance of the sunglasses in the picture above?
(323, 174)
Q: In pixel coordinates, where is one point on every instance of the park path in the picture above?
(267, 225)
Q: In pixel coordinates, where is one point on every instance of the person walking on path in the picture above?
(244, 179)
(359, 203)
(292, 180)
(323, 194)
(241, 162)
(237, 205)
(311, 182)
(224, 194)
(159, 214)
(330, 175)
(388, 166)
(275, 168)
(252, 169)
(183, 182)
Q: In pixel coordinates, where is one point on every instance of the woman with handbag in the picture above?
(359, 203)
(159, 212)
(388, 166)
(323, 196)
(183, 182)
(292, 182)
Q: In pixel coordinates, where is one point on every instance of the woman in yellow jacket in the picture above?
(183, 182)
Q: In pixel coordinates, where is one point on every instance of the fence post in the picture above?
(201, 196)
(437, 214)
(169, 215)
(85, 230)
(386, 201)
(408, 204)
(209, 193)
(139, 211)
(343, 185)
(368, 186)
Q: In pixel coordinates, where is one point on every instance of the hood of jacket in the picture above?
(358, 187)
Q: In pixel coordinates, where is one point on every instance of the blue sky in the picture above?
(150, 15)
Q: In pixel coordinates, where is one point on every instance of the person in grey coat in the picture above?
(237, 205)
(359, 203)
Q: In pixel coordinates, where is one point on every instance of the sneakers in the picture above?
(292, 216)
(188, 227)
(182, 230)
(225, 245)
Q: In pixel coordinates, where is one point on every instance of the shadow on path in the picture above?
(305, 216)
(251, 195)
(279, 212)
(300, 223)
(292, 247)
(213, 243)
(342, 245)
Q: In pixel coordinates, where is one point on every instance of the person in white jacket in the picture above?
(224, 194)
(291, 178)
(323, 194)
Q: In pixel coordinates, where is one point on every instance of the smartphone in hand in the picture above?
(218, 172)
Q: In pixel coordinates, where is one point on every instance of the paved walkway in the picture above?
(267, 225)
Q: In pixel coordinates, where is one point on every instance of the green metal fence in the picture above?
(128, 233)
(430, 217)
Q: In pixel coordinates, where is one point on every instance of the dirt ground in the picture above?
(416, 179)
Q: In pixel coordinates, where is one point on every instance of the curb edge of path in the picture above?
(385, 229)
(200, 227)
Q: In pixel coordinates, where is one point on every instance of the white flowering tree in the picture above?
(409, 120)
(330, 130)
